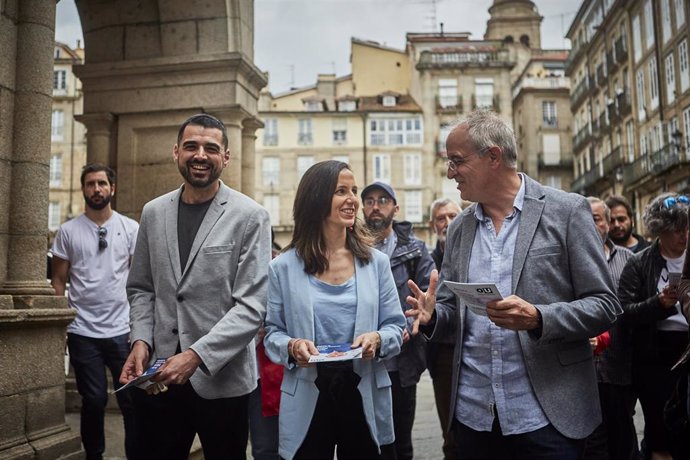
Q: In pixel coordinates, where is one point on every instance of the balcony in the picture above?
(614, 115)
(604, 125)
(459, 58)
(486, 102)
(550, 122)
(613, 160)
(624, 103)
(664, 159)
(595, 128)
(611, 63)
(573, 56)
(563, 162)
(601, 75)
(621, 50)
(636, 170)
(580, 92)
(449, 104)
(582, 138)
(541, 83)
(586, 180)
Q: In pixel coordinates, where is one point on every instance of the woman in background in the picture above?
(659, 330)
(328, 287)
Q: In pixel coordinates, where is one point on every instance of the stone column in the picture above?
(249, 127)
(232, 119)
(28, 216)
(99, 136)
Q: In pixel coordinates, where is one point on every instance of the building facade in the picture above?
(630, 98)
(67, 139)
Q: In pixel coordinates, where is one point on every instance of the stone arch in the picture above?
(508, 39)
(524, 39)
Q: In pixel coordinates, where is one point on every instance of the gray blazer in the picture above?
(215, 305)
(559, 267)
(291, 314)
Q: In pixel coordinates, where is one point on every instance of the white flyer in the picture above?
(475, 295)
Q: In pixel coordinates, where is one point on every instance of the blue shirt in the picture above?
(493, 376)
(335, 310)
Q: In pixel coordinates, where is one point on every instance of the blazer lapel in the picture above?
(171, 213)
(468, 231)
(532, 209)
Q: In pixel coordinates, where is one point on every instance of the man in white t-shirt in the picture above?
(93, 251)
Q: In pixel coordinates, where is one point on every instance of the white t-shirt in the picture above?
(677, 321)
(98, 277)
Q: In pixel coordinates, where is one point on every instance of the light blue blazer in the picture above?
(291, 315)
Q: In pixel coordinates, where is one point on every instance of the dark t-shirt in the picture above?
(189, 218)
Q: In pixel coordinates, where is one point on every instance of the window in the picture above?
(670, 79)
(443, 133)
(347, 106)
(340, 131)
(637, 40)
(673, 139)
(551, 143)
(413, 206)
(53, 215)
(549, 112)
(313, 106)
(270, 132)
(653, 84)
(55, 170)
(412, 163)
(484, 92)
(57, 125)
(686, 128)
(643, 145)
(270, 170)
(395, 131)
(382, 167)
(447, 92)
(553, 181)
(630, 139)
(304, 137)
(60, 80)
(640, 95)
(272, 205)
(388, 101)
(304, 162)
(665, 21)
(680, 13)
(648, 24)
(683, 66)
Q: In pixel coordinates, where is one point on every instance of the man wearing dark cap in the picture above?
(409, 260)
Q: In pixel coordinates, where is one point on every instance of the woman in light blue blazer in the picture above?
(330, 286)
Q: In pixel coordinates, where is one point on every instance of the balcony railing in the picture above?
(582, 137)
(636, 170)
(485, 102)
(624, 103)
(449, 104)
(550, 122)
(581, 90)
(463, 58)
(604, 124)
(613, 160)
(621, 50)
(601, 75)
(614, 114)
(664, 158)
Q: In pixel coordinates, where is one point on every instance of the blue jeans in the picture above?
(89, 358)
(542, 444)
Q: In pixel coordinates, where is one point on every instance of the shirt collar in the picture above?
(518, 202)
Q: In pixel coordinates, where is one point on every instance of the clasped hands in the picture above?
(512, 312)
(302, 349)
(176, 370)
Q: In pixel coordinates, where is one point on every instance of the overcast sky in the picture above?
(297, 39)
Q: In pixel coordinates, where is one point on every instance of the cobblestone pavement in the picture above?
(426, 436)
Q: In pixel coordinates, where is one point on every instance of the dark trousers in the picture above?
(542, 444)
(440, 359)
(404, 406)
(615, 438)
(338, 421)
(263, 430)
(167, 423)
(90, 357)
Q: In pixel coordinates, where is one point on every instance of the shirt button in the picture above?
(180, 298)
(174, 331)
(497, 385)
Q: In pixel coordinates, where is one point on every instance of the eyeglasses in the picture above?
(454, 163)
(382, 201)
(102, 242)
(672, 201)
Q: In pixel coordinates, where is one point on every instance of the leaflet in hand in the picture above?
(335, 352)
(143, 380)
(475, 295)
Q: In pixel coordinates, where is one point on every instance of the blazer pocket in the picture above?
(545, 251)
(382, 378)
(289, 384)
(217, 249)
(574, 353)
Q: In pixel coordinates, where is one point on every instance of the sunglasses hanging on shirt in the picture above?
(102, 242)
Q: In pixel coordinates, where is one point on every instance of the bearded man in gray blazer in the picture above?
(524, 385)
(197, 294)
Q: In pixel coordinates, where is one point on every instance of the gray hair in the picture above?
(607, 211)
(659, 219)
(487, 129)
(441, 202)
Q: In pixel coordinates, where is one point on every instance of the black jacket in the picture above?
(637, 292)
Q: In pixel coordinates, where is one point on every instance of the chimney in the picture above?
(325, 87)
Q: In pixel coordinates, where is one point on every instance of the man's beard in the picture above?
(621, 241)
(378, 225)
(185, 170)
(97, 206)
